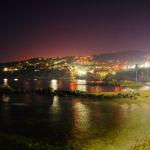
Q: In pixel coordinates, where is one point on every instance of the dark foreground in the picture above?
(39, 122)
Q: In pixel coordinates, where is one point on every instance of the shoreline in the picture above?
(67, 93)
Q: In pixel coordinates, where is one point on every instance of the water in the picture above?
(90, 124)
(76, 85)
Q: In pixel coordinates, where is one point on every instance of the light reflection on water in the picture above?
(55, 107)
(72, 86)
(91, 123)
(81, 116)
(75, 85)
(82, 88)
(5, 98)
(54, 84)
(96, 89)
(5, 82)
(26, 86)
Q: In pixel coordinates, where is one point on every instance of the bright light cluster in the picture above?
(144, 65)
(81, 72)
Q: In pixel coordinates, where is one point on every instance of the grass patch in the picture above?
(126, 83)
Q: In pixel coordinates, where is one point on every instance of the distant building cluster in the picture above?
(82, 66)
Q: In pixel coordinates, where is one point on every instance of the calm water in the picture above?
(92, 124)
(76, 85)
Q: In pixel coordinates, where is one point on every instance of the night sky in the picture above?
(59, 28)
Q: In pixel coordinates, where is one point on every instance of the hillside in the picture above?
(131, 56)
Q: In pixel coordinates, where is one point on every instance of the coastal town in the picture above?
(78, 67)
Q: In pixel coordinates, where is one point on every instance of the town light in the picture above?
(81, 72)
(16, 79)
(113, 73)
(147, 64)
(5, 69)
